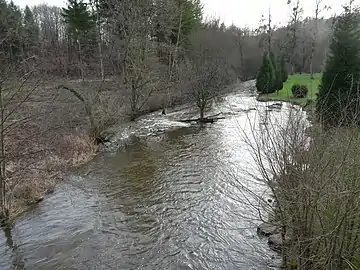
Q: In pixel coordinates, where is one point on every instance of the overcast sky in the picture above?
(239, 12)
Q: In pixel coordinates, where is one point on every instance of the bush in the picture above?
(299, 90)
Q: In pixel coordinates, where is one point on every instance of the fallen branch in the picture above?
(205, 120)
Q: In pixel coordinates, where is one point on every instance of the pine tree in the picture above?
(81, 24)
(30, 32)
(10, 30)
(78, 17)
(277, 83)
(338, 100)
(188, 17)
(266, 76)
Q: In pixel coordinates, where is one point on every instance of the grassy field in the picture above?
(285, 93)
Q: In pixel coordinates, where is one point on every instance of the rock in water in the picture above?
(267, 229)
(275, 241)
(39, 199)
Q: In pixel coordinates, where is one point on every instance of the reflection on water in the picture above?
(170, 201)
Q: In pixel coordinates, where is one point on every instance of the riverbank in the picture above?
(285, 94)
(56, 139)
(315, 193)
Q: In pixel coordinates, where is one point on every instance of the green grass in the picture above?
(285, 93)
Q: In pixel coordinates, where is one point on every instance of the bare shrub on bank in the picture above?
(314, 178)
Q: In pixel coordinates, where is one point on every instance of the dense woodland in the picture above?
(95, 39)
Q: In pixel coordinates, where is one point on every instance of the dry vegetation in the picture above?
(314, 178)
(45, 135)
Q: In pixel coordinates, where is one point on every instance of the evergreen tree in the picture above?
(82, 27)
(277, 83)
(191, 17)
(338, 100)
(30, 32)
(278, 79)
(10, 30)
(188, 18)
(266, 76)
(78, 18)
(175, 28)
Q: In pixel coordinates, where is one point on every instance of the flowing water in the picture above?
(173, 198)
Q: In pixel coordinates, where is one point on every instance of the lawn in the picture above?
(285, 93)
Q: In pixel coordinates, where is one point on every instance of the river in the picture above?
(171, 199)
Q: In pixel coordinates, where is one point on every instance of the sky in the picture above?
(240, 12)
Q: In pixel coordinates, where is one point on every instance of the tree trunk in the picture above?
(3, 203)
(80, 62)
(177, 42)
(241, 59)
(311, 66)
(133, 102)
(202, 109)
(102, 73)
(269, 32)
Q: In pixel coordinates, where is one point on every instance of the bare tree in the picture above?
(15, 90)
(99, 32)
(210, 68)
(296, 12)
(318, 9)
(269, 31)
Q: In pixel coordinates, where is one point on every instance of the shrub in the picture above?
(299, 90)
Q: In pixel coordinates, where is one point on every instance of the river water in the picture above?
(173, 198)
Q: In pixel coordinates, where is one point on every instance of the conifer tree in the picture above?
(338, 100)
(11, 28)
(266, 76)
(277, 83)
(30, 32)
(81, 24)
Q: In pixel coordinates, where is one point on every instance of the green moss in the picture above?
(285, 93)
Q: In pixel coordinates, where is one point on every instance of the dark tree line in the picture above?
(90, 39)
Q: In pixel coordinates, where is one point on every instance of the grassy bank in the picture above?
(286, 95)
